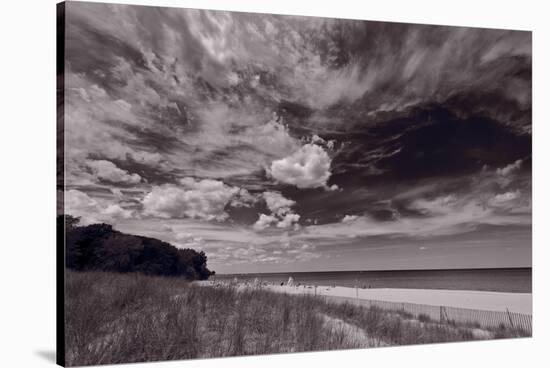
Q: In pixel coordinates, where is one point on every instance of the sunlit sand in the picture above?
(483, 300)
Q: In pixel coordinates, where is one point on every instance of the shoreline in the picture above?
(366, 272)
(505, 280)
(467, 299)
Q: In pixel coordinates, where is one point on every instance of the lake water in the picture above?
(501, 279)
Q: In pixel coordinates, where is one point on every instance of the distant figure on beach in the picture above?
(290, 281)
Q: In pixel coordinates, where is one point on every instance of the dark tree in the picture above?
(100, 247)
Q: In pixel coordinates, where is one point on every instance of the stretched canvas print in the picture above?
(238, 184)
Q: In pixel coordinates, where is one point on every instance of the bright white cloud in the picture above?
(92, 210)
(243, 198)
(199, 199)
(277, 203)
(505, 199)
(316, 139)
(185, 239)
(77, 203)
(349, 218)
(281, 216)
(264, 221)
(114, 211)
(509, 169)
(117, 193)
(309, 167)
(106, 170)
(288, 220)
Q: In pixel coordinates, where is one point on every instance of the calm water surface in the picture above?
(501, 279)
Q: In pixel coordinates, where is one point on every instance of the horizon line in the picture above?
(385, 270)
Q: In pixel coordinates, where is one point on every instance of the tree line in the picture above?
(100, 247)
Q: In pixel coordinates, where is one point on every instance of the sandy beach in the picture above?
(483, 300)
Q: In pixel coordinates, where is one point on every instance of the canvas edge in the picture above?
(60, 184)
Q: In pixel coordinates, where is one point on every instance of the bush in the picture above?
(98, 247)
(424, 318)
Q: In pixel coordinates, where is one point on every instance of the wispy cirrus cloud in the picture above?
(272, 139)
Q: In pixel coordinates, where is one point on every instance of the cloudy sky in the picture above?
(278, 143)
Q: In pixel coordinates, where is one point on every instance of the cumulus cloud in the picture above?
(108, 171)
(506, 199)
(281, 216)
(509, 169)
(117, 193)
(349, 218)
(243, 198)
(309, 167)
(77, 202)
(185, 239)
(322, 142)
(264, 221)
(92, 210)
(288, 220)
(198, 199)
(505, 176)
(316, 139)
(277, 203)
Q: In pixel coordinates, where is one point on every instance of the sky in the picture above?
(284, 143)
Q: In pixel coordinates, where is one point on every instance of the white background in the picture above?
(27, 181)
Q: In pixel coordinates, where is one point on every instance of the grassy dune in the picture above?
(121, 318)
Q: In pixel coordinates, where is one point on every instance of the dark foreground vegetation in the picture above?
(122, 318)
(98, 247)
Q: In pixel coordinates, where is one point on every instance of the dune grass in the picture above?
(121, 318)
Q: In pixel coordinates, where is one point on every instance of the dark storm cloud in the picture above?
(427, 142)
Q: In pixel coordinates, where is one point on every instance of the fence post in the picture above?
(510, 318)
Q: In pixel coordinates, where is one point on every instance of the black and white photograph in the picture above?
(233, 183)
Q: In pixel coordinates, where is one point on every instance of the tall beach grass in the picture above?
(121, 318)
